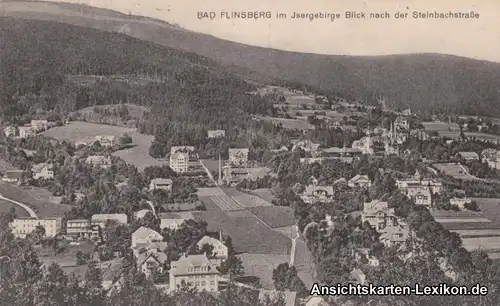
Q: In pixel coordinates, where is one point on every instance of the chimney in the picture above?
(220, 235)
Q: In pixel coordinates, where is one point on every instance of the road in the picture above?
(26, 207)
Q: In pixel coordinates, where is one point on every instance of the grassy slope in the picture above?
(421, 81)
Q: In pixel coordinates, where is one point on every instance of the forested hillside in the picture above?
(425, 82)
(45, 69)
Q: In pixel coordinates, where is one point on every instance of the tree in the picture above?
(93, 291)
(125, 139)
(285, 277)
(232, 266)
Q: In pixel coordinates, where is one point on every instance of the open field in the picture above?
(66, 258)
(442, 129)
(248, 234)
(304, 263)
(275, 216)
(6, 206)
(137, 155)
(262, 266)
(454, 170)
(264, 193)
(249, 201)
(37, 198)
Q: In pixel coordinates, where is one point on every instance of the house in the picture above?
(195, 270)
(21, 227)
(314, 194)
(26, 131)
(417, 179)
(460, 202)
(394, 235)
(220, 250)
(159, 183)
(152, 246)
(189, 149)
(10, 131)
(238, 157)
(15, 176)
(99, 161)
(145, 235)
(362, 255)
(364, 145)
(290, 297)
(39, 125)
(174, 220)
(306, 146)
(311, 160)
(420, 194)
(378, 214)
(179, 161)
(360, 181)
(151, 262)
(401, 123)
(43, 170)
(80, 143)
(101, 219)
(280, 150)
(82, 228)
(468, 155)
(483, 127)
(216, 133)
(106, 140)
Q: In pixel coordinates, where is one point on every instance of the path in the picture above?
(26, 207)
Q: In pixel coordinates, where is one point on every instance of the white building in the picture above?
(220, 250)
(364, 145)
(216, 133)
(151, 261)
(420, 194)
(378, 214)
(26, 131)
(106, 140)
(159, 183)
(101, 219)
(468, 155)
(141, 213)
(238, 157)
(195, 270)
(99, 161)
(43, 170)
(15, 176)
(314, 194)
(145, 235)
(360, 181)
(394, 235)
(39, 125)
(10, 131)
(174, 220)
(179, 161)
(306, 145)
(460, 202)
(21, 227)
(81, 228)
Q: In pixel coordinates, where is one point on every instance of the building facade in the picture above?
(159, 183)
(21, 227)
(43, 171)
(195, 270)
(238, 157)
(179, 161)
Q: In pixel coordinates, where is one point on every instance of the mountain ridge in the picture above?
(427, 82)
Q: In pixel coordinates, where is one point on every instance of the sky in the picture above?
(475, 38)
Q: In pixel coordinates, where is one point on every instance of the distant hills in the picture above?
(424, 82)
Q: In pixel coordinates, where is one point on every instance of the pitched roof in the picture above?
(161, 181)
(469, 155)
(360, 177)
(160, 257)
(310, 190)
(208, 240)
(144, 232)
(181, 266)
(15, 174)
(161, 246)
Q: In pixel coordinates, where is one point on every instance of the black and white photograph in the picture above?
(249, 153)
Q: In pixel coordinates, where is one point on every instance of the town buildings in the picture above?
(216, 133)
(360, 181)
(39, 125)
(220, 250)
(82, 228)
(43, 171)
(365, 145)
(152, 262)
(195, 270)
(421, 195)
(378, 214)
(417, 181)
(159, 183)
(15, 176)
(21, 227)
(394, 235)
(306, 145)
(26, 131)
(174, 220)
(314, 194)
(179, 161)
(10, 131)
(468, 156)
(99, 161)
(144, 235)
(238, 157)
(106, 140)
(102, 219)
